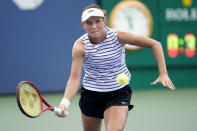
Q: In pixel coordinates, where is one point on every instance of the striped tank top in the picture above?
(103, 62)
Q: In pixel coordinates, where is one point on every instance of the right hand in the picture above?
(63, 113)
(165, 81)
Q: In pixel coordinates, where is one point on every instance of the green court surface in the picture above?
(155, 110)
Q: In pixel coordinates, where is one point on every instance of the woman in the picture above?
(100, 51)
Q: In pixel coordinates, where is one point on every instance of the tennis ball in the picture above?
(122, 79)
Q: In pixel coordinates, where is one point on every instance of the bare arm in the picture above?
(128, 38)
(76, 69)
(75, 75)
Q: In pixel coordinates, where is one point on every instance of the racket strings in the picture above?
(30, 100)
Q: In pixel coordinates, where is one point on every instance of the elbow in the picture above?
(159, 43)
(156, 45)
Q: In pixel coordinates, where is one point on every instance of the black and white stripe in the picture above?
(103, 62)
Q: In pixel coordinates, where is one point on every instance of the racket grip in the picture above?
(57, 110)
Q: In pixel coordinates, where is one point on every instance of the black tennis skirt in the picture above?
(93, 103)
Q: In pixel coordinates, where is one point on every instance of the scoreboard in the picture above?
(173, 23)
(179, 31)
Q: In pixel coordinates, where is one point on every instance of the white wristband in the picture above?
(65, 102)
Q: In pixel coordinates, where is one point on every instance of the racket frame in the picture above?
(42, 100)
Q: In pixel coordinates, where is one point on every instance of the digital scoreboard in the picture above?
(176, 45)
(178, 31)
(173, 23)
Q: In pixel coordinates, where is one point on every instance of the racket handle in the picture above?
(57, 110)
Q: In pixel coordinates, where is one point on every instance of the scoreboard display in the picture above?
(173, 23)
(179, 31)
(176, 45)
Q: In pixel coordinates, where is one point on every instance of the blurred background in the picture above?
(36, 39)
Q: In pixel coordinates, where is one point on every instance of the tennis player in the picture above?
(101, 53)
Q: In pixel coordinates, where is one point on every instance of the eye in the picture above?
(88, 22)
(98, 20)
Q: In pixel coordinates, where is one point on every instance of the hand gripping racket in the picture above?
(30, 100)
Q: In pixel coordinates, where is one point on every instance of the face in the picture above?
(95, 27)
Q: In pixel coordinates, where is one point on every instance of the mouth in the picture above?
(94, 31)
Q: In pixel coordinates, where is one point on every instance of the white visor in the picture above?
(91, 12)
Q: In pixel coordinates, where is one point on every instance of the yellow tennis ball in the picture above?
(122, 79)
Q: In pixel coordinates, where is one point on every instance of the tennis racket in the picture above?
(30, 100)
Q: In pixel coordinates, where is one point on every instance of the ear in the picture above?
(82, 24)
(105, 20)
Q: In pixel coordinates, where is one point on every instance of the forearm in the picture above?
(71, 88)
(70, 92)
(159, 56)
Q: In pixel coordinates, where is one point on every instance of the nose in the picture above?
(93, 25)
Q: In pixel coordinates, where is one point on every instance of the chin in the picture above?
(96, 35)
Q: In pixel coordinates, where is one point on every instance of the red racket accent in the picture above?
(30, 100)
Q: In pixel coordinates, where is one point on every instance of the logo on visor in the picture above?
(90, 11)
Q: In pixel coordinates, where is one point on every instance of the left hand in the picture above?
(165, 81)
